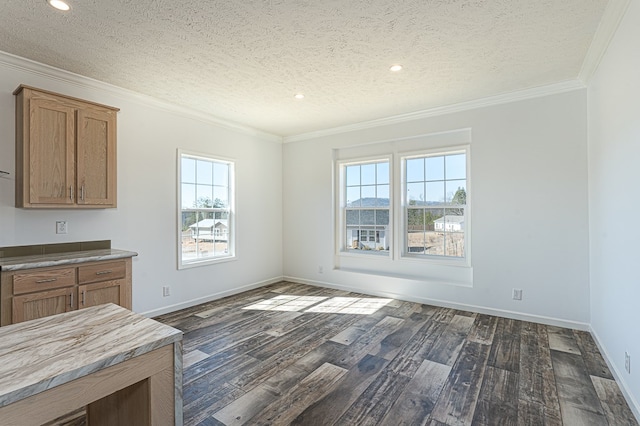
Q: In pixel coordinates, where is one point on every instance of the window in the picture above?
(365, 201)
(205, 212)
(434, 204)
(402, 208)
(428, 194)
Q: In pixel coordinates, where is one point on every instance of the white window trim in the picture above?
(232, 255)
(340, 215)
(402, 225)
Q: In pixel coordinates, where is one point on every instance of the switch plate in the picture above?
(61, 227)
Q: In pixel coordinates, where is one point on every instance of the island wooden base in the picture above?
(139, 391)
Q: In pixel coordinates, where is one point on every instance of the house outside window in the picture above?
(435, 204)
(205, 211)
(365, 201)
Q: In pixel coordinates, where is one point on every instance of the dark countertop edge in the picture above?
(61, 259)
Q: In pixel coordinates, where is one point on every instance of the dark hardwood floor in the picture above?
(301, 355)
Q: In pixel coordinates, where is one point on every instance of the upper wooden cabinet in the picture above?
(65, 151)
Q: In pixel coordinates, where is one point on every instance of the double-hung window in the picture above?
(406, 205)
(435, 204)
(205, 213)
(365, 206)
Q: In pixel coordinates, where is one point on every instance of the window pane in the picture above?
(353, 217)
(416, 241)
(220, 174)
(188, 196)
(415, 170)
(188, 170)
(415, 194)
(383, 172)
(415, 219)
(353, 196)
(435, 192)
(456, 192)
(204, 171)
(456, 166)
(434, 236)
(382, 217)
(204, 196)
(220, 196)
(368, 196)
(383, 195)
(353, 175)
(367, 217)
(368, 174)
(435, 168)
(454, 233)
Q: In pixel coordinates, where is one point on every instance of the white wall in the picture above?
(145, 220)
(614, 201)
(529, 211)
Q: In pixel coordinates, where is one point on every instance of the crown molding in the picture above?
(36, 68)
(535, 92)
(611, 18)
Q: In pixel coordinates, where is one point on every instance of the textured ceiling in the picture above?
(243, 60)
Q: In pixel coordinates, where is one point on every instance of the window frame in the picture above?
(403, 206)
(230, 210)
(341, 220)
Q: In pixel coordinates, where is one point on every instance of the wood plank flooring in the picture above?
(291, 354)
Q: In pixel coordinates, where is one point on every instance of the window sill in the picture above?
(206, 262)
(432, 271)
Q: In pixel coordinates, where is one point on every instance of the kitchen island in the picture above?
(127, 369)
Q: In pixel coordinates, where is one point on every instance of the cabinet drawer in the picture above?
(101, 272)
(32, 281)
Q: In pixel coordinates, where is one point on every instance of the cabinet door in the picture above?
(96, 152)
(51, 153)
(103, 292)
(42, 304)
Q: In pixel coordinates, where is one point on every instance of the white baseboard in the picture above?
(446, 304)
(209, 298)
(633, 404)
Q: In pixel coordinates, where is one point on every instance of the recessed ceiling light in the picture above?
(59, 4)
(298, 96)
(395, 68)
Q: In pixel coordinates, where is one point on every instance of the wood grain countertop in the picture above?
(44, 353)
(60, 259)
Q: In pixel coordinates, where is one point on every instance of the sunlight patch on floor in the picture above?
(286, 303)
(350, 305)
(335, 305)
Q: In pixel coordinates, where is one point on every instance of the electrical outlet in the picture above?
(517, 294)
(627, 362)
(61, 227)
(166, 291)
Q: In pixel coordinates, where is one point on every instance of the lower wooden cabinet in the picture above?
(104, 292)
(35, 293)
(42, 304)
